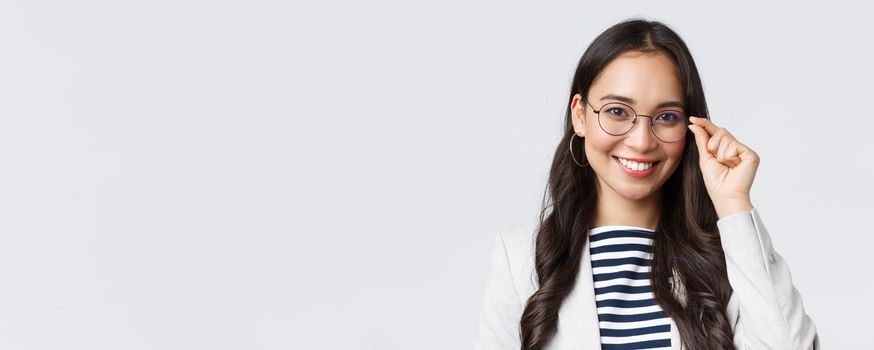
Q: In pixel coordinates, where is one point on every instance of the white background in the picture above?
(331, 175)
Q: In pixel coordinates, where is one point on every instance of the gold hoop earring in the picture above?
(571, 148)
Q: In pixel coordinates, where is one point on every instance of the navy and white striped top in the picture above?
(628, 316)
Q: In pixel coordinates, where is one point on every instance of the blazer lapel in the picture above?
(578, 315)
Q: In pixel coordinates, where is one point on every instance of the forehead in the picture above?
(648, 78)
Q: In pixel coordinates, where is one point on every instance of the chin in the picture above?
(636, 193)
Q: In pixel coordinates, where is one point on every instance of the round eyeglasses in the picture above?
(619, 118)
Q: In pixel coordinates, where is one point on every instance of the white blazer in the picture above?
(765, 309)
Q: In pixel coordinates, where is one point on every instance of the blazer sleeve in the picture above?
(765, 309)
(501, 309)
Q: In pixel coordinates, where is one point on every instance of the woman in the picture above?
(650, 239)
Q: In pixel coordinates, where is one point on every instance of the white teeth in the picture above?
(630, 164)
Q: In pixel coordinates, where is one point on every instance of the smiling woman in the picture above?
(649, 238)
(618, 146)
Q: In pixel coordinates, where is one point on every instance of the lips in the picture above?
(640, 160)
(637, 167)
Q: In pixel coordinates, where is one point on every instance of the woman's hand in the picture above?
(728, 167)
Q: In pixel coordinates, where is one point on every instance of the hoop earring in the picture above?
(571, 148)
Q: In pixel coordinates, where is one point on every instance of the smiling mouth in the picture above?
(641, 167)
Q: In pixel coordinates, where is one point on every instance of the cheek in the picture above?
(676, 150)
(675, 154)
(600, 143)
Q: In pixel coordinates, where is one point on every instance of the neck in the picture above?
(613, 209)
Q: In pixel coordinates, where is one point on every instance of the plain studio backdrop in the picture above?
(331, 175)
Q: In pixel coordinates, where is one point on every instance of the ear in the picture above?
(578, 115)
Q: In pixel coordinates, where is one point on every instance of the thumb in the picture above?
(701, 139)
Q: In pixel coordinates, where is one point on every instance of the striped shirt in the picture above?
(628, 316)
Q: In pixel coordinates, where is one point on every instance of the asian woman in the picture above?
(648, 238)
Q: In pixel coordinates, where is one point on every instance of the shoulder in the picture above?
(518, 245)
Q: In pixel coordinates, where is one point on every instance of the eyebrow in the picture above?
(630, 100)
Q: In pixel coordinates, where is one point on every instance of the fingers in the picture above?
(715, 142)
(727, 154)
(706, 124)
(718, 136)
(701, 140)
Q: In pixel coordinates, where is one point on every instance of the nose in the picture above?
(641, 136)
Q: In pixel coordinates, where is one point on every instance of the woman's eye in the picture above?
(668, 117)
(616, 111)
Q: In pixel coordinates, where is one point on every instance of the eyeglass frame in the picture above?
(634, 121)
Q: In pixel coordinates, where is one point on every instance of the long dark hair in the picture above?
(686, 247)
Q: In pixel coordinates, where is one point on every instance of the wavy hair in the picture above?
(686, 247)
